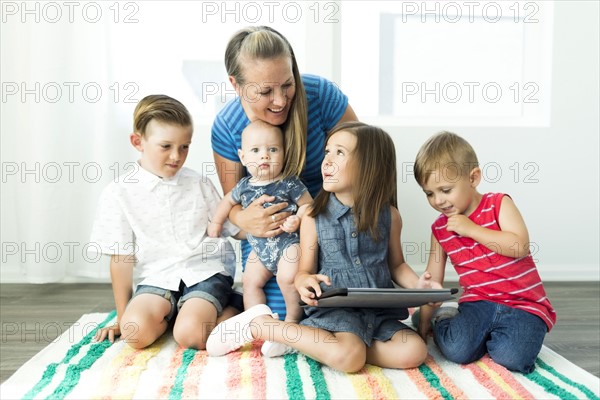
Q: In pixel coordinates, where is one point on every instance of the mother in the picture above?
(263, 70)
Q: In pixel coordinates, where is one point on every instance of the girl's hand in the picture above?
(460, 224)
(110, 332)
(260, 221)
(309, 287)
(291, 224)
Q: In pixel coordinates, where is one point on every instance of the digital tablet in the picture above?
(382, 298)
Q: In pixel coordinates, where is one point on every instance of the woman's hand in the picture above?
(308, 286)
(110, 332)
(260, 221)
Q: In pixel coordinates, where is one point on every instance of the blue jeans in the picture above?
(513, 338)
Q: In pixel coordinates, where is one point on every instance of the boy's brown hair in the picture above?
(161, 108)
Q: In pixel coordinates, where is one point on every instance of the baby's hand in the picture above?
(214, 229)
(460, 224)
(110, 332)
(291, 224)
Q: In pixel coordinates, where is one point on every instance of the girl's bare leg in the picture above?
(405, 349)
(342, 350)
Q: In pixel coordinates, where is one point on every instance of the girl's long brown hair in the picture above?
(373, 167)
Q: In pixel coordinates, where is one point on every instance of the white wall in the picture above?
(560, 209)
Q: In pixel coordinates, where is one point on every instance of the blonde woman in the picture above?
(263, 70)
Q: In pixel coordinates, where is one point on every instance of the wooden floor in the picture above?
(32, 316)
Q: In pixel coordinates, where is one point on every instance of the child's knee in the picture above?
(189, 336)
(513, 359)
(515, 363)
(413, 354)
(251, 281)
(136, 334)
(418, 356)
(284, 279)
(190, 340)
(460, 352)
(347, 359)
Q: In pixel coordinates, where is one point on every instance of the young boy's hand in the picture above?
(424, 329)
(425, 282)
(214, 230)
(110, 332)
(460, 224)
(291, 224)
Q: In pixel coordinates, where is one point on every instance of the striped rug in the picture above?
(75, 367)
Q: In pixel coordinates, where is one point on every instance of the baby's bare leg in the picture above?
(144, 320)
(255, 276)
(286, 272)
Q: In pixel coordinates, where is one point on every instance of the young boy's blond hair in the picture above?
(445, 152)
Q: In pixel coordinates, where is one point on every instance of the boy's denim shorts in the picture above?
(217, 290)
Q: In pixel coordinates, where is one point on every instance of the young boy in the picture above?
(263, 155)
(156, 221)
(503, 310)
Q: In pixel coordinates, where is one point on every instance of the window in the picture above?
(429, 63)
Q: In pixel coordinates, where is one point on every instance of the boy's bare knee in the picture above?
(134, 333)
(191, 340)
(140, 331)
(137, 343)
(197, 342)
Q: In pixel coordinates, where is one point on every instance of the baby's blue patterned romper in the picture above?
(289, 190)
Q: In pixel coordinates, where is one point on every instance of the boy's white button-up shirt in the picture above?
(162, 223)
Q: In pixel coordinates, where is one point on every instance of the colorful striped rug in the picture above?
(75, 367)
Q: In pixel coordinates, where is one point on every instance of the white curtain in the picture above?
(71, 76)
(59, 130)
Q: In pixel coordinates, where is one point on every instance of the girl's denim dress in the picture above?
(354, 259)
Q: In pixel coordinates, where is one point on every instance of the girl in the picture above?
(349, 238)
